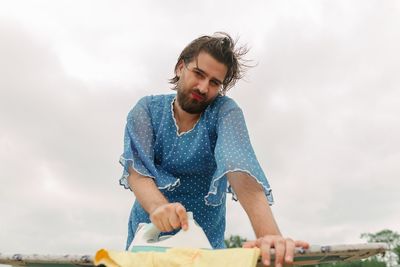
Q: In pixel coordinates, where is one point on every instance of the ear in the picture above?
(179, 68)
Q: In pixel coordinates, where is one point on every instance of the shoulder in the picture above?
(223, 104)
(150, 104)
(154, 100)
(219, 109)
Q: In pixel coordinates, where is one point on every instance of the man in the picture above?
(182, 150)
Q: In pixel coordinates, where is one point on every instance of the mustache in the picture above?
(197, 91)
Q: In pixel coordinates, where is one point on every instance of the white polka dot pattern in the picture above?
(191, 167)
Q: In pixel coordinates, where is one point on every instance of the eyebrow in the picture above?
(202, 71)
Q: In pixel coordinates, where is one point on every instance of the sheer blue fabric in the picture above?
(189, 167)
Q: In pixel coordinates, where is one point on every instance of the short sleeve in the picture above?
(234, 152)
(138, 143)
(139, 148)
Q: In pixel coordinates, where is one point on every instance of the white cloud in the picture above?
(321, 107)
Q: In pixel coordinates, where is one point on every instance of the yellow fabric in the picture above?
(180, 257)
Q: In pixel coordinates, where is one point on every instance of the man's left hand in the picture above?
(284, 248)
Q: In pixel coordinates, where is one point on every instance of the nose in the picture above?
(203, 86)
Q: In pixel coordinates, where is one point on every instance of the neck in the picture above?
(183, 116)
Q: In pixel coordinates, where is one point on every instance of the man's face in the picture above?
(199, 82)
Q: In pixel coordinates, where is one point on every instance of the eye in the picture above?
(198, 74)
(215, 83)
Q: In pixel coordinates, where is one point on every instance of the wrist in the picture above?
(154, 206)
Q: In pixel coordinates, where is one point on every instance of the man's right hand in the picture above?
(169, 217)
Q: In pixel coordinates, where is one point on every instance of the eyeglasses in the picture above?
(200, 74)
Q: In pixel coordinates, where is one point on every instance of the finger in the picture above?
(158, 224)
(156, 217)
(265, 247)
(166, 225)
(279, 251)
(174, 221)
(249, 244)
(289, 255)
(301, 243)
(183, 218)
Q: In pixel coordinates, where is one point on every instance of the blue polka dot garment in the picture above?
(189, 167)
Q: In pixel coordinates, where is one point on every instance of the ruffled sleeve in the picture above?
(139, 148)
(233, 152)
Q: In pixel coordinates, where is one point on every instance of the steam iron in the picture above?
(147, 238)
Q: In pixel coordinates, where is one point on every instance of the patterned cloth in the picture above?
(234, 257)
(189, 167)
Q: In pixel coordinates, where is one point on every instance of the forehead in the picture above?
(210, 65)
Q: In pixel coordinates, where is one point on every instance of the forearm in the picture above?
(260, 214)
(253, 200)
(146, 191)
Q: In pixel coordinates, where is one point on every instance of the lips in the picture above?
(197, 96)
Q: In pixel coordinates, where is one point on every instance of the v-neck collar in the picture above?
(176, 124)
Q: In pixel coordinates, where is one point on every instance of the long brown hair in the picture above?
(223, 48)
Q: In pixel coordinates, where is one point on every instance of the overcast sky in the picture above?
(322, 107)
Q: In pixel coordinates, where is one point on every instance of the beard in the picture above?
(190, 105)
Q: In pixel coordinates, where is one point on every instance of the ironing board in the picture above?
(314, 255)
(328, 254)
(36, 260)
